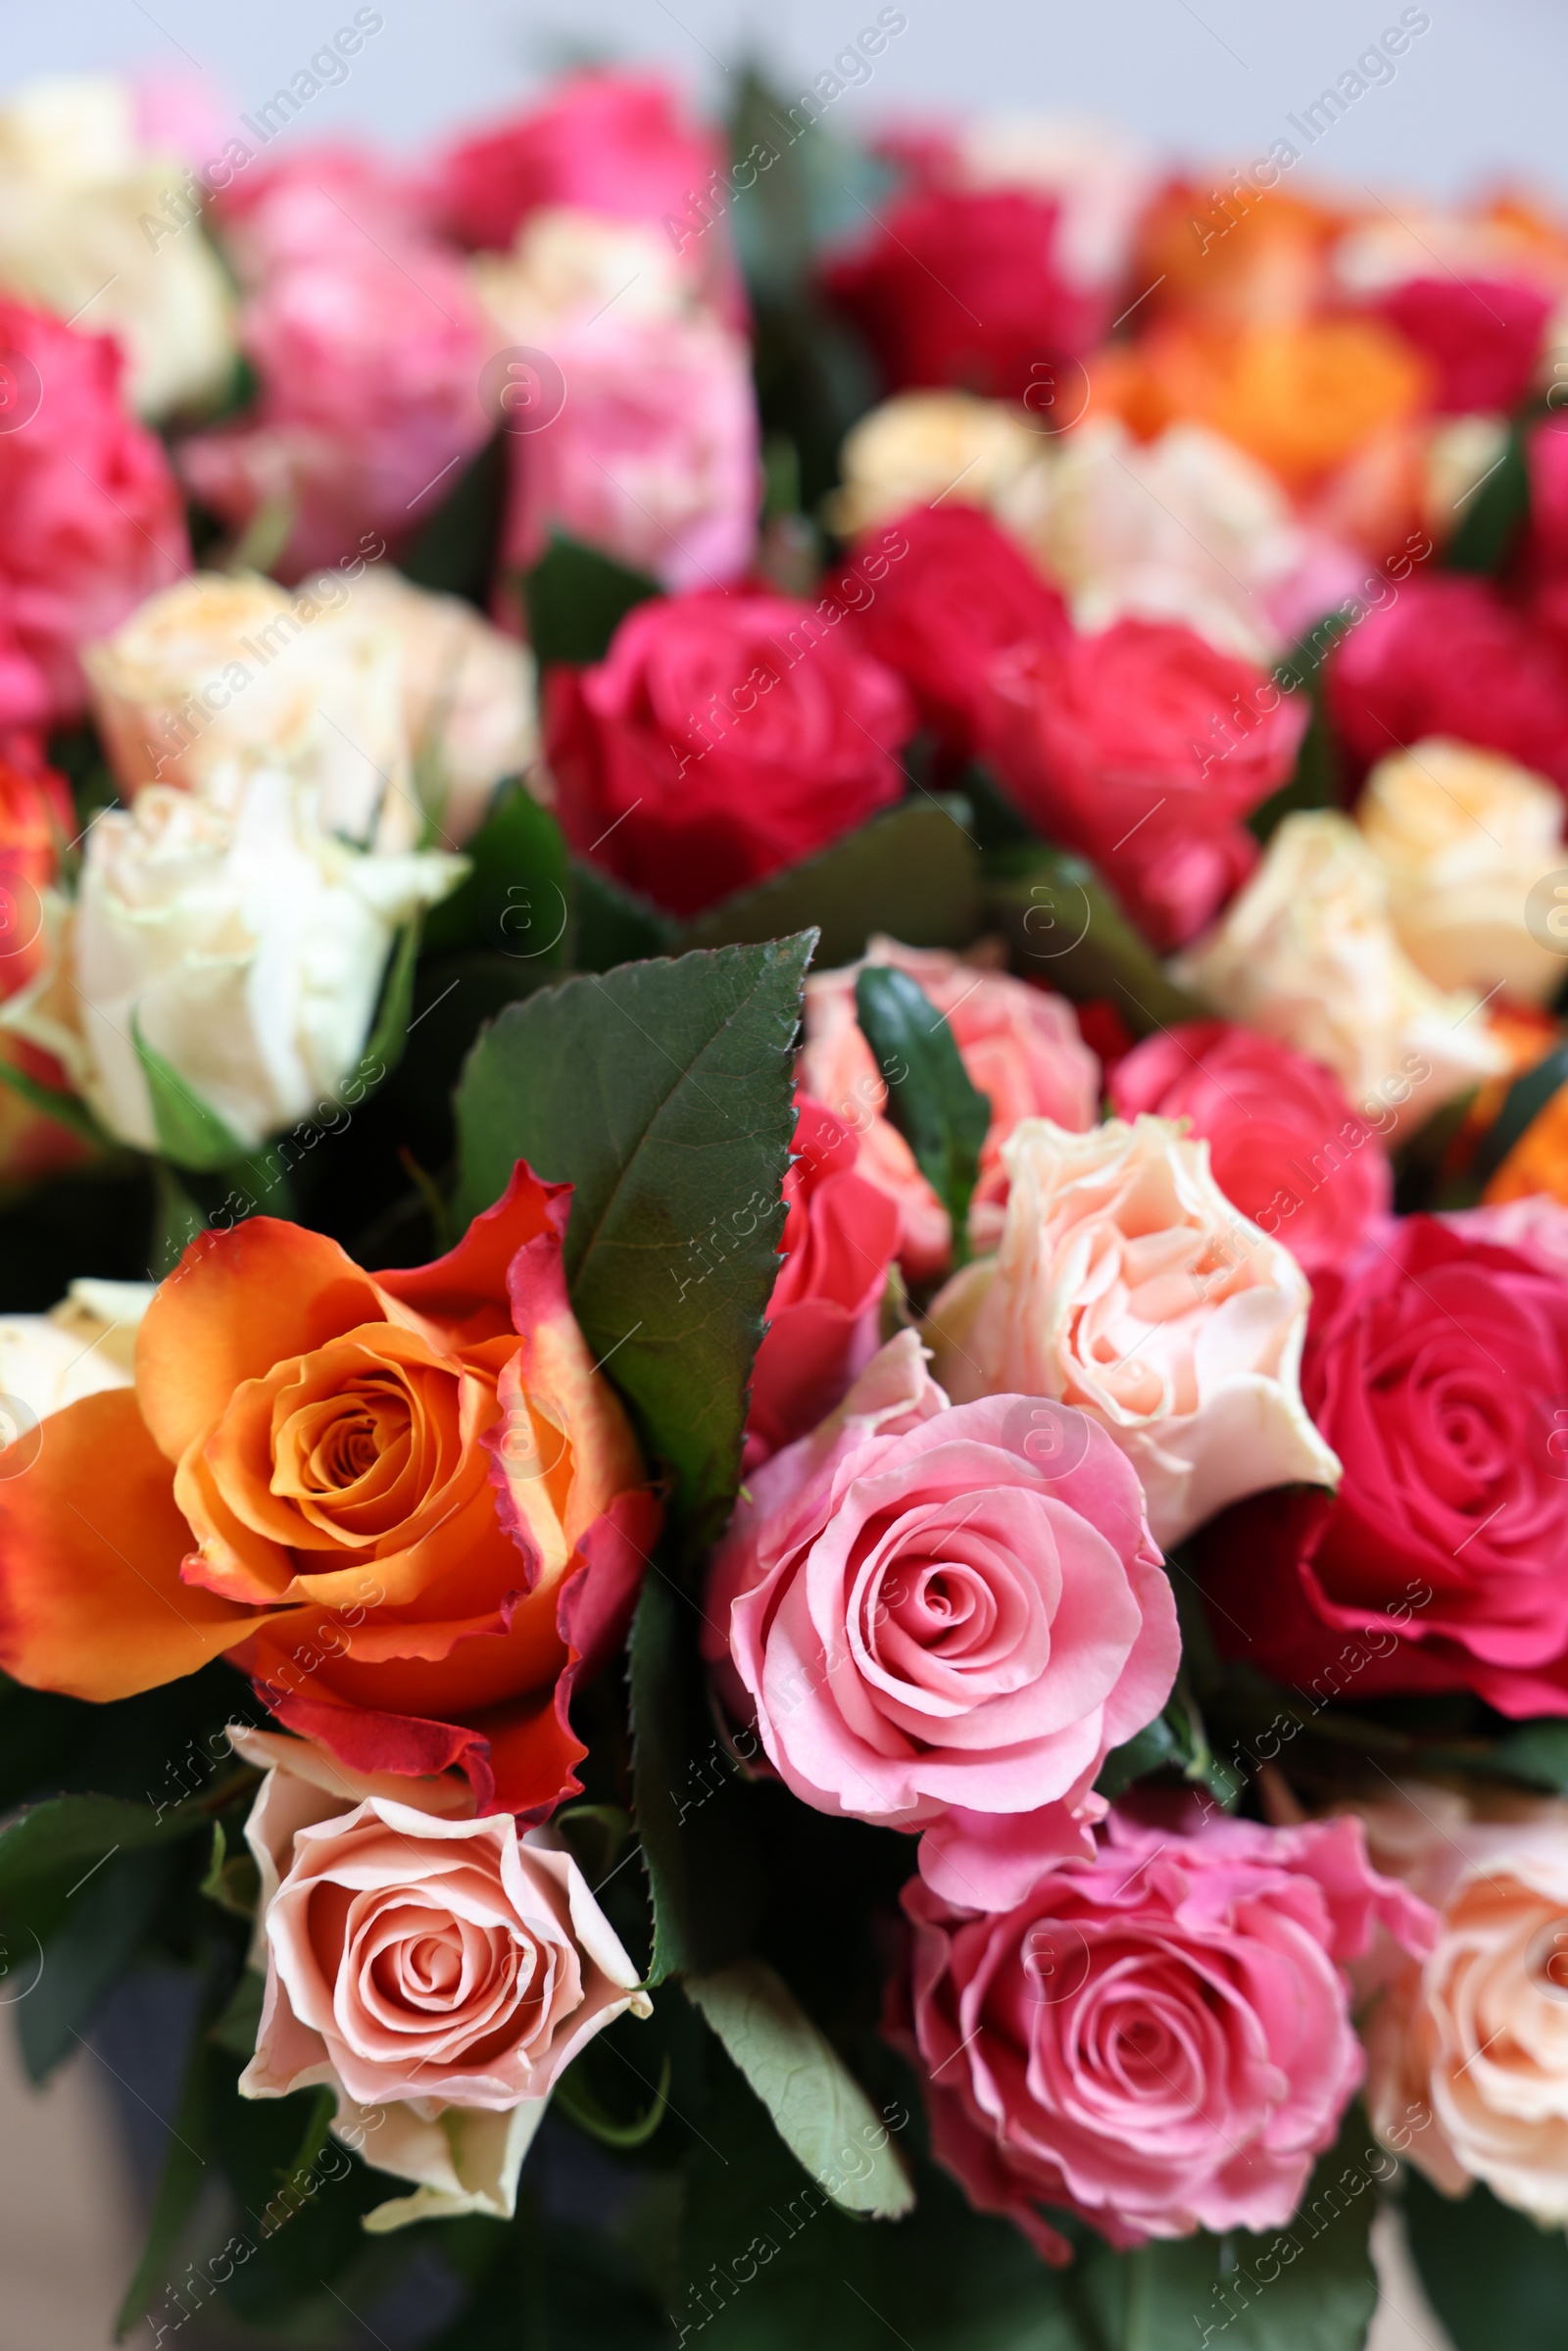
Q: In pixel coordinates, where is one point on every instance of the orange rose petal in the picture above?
(91, 1601)
(460, 1292)
(236, 1304)
(556, 1373)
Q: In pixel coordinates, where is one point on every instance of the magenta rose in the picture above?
(720, 738)
(967, 288)
(1480, 336)
(367, 343)
(932, 1610)
(91, 521)
(1449, 656)
(1143, 747)
(1437, 1367)
(1159, 2038)
(840, 1237)
(964, 594)
(1283, 1144)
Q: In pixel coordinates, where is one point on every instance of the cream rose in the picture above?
(1307, 952)
(920, 447)
(218, 669)
(468, 703)
(79, 1348)
(85, 232)
(437, 1973)
(568, 264)
(1468, 2051)
(246, 946)
(1127, 1284)
(1462, 837)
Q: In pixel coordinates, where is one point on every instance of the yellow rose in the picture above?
(1463, 836)
(916, 449)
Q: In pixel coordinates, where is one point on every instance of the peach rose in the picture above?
(1127, 1284)
(1020, 1046)
(1469, 2049)
(409, 1505)
(437, 1973)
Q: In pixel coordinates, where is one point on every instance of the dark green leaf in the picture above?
(94, 1942)
(1522, 1104)
(612, 925)
(914, 873)
(1496, 2280)
(56, 1845)
(390, 1033)
(515, 898)
(236, 2029)
(576, 600)
(702, 1865)
(456, 549)
(577, 2102)
(931, 1098)
(663, 1093)
(1315, 781)
(65, 1110)
(1537, 1752)
(1066, 930)
(176, 1220)
(189, 1131)
(1150, 1750)
(1496, 512)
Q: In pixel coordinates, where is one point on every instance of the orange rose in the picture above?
(1300, 398)
(34, 819)
(408, 1504)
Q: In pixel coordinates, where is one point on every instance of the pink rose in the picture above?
(1020, 1046)
(840, 1233)
(90, 516)
(437, 1973)
(653, 455)
(367, 343)
(1284, 1144)
(1144, 747)
(930, 1609)
(1158, 2038)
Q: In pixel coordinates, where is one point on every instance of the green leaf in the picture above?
(612, 924)
(931, 1098)
(914, 873)
(1066, 930)
(189, 1131)
(514, 898)
(576, 600)
(699, 1844)
(1496, 510)
(578, 2103)
(390, 1032)
(241, 2021)
(1537, 1752)
(1315, 781)
(1522, 1106)
(663, 1093)
(1309, 2287)
(817, 2106)
(65, 1110)
(1496, 2280)
(55, 1846)
(176, 1219)
(1152, 1748)
(459, 536)
(95, 1942)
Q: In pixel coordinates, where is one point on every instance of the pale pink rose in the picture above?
(367, 344)
(1534, 1227)
(435, 1972)
(925, 1609)
(1468, 2046)
(653, 456)
(1158, 2037)
(1128, 1285)
(1020, 1047)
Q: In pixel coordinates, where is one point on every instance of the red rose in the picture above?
(611, 142)
(1283, 1141)
(840, 1237)
(967, 287)
(35, 822)
(962, 595)
(1447, 656)
(1437, 1367)
(1143, 747)
(722, 738)
(90, 519)
(1481, 335)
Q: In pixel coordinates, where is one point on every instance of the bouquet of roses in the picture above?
(784, 1448)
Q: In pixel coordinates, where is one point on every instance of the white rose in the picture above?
(1463, 836)
(469, 698)
(218, 670)
(1307, 952)
(79, 1348)
(918, 447)
(570, 265)
(246, 946)
(1126, 1284)
(85, 232)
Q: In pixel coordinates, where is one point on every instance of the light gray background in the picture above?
(1484, 92)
